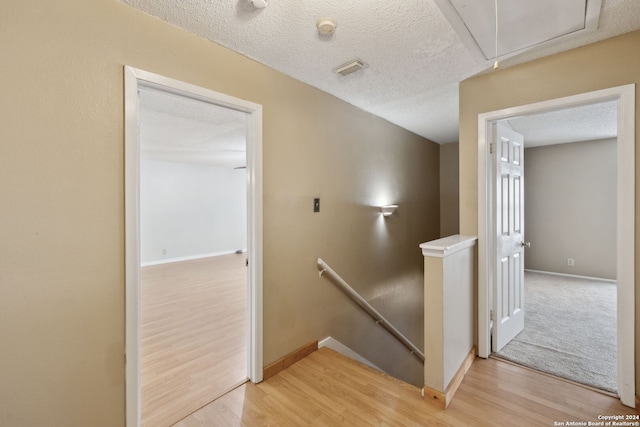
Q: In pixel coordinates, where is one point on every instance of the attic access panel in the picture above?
(523, 24)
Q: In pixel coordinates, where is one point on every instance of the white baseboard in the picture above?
(187, 258)
(551, 273)
(336, 345)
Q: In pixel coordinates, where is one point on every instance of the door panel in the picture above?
(508, 291)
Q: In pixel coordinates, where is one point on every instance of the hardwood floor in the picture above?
(328, 389)
(193, 331)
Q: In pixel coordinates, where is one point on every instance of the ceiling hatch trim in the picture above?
(474, 22)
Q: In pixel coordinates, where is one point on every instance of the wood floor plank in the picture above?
(193, 334)
(328, 389)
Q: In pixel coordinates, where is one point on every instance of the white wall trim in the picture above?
(133, 78)
(575, 276)
(442, 248)
(336, 345)
(625, 96)
(187, 258)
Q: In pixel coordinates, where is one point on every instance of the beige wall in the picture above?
(570, 208)
(610, 63)
(449, 192)
(62, 217)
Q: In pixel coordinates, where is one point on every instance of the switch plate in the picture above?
(316, 204)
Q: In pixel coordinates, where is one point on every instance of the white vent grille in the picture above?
(350, 67)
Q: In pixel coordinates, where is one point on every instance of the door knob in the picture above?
(525, 244)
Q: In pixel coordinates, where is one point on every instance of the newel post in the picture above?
(449, 314)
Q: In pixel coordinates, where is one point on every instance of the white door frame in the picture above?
(625, 235)
(133, 79)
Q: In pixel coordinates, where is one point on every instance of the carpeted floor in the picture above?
(569, 330)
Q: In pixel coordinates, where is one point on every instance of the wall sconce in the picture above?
(388, 210)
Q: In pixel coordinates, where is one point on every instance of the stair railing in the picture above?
(368, 308)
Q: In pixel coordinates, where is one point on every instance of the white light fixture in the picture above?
(259, 4)
(388, 210)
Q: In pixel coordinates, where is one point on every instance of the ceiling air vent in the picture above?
(350, 67)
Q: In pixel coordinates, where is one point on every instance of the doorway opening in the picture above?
(193, 233)
(624, 98)
(569, 225)
(193, 244)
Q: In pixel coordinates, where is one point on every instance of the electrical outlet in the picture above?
(570, 262)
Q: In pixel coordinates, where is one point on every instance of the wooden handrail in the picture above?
(379, 318)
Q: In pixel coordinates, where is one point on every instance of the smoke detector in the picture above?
(259, 4)
(350, 67)
(326, 26)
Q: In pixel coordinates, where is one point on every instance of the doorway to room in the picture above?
(624, 98)
(193, 239)
(194, 251)
(569, 263)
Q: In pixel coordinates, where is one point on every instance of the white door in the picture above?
(508, 268)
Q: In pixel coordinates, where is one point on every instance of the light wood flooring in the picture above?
(328, 389)
(194, 335)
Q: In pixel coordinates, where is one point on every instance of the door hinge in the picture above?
(491, 315)
(491, 145)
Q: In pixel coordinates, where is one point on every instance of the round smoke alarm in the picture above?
(326, 26)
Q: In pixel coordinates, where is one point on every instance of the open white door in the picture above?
(508, 291)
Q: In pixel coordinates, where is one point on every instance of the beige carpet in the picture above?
(569, 331)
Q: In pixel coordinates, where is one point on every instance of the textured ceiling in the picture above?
(585, 123)
(415, 57)
(179, 129)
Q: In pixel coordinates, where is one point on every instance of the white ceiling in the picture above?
(416, 59)
(179, 129)
(585, 123)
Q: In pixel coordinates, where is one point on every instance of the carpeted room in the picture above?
(570, 219)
